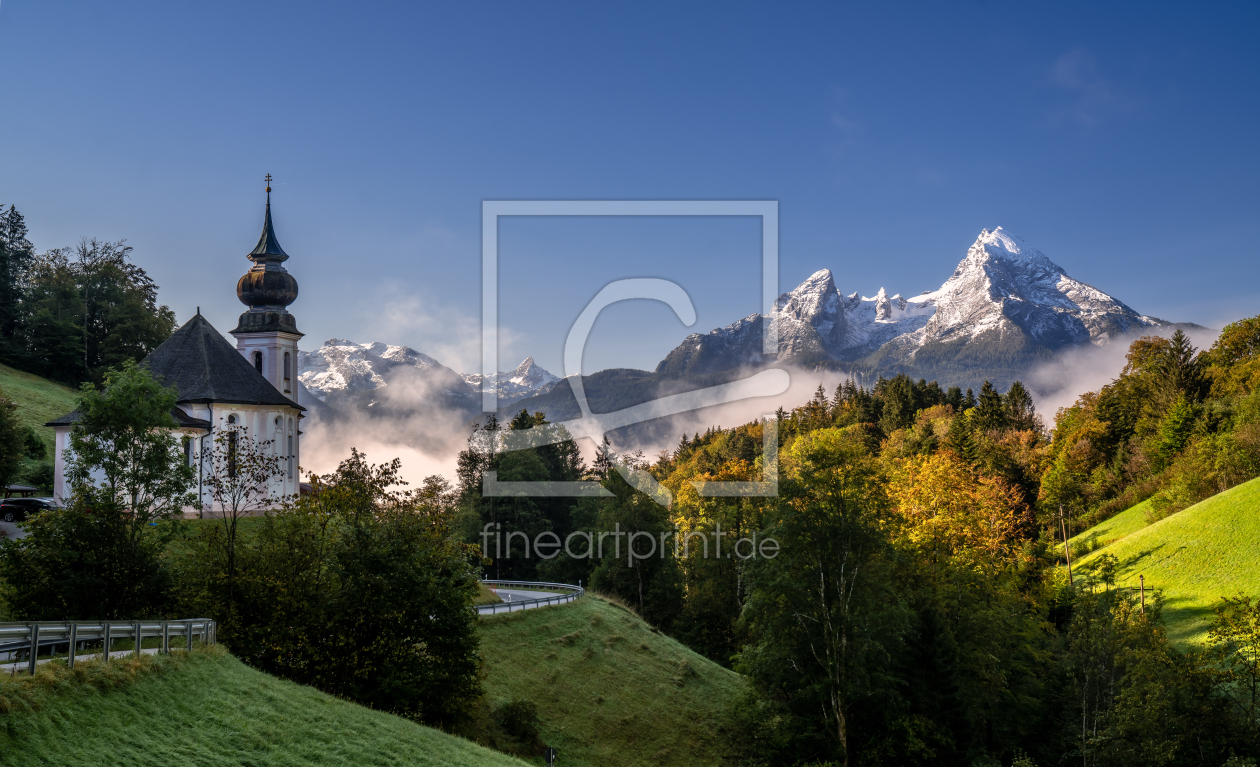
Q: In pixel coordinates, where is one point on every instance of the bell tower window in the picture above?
(258, 361)
(287, 367)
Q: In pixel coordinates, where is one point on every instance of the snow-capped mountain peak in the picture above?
(1003, 290)
(343, 366)
(346, 370)
(528, 379)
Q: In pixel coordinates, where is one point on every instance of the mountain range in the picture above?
(343, 373)
(1005, 308)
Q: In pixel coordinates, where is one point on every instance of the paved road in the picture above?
(518, 595)
(20, 667)
(12, 530)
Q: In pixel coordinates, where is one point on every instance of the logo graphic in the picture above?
(596, 425)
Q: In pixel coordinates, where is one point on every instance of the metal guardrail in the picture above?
(570, 593)
(35, 636)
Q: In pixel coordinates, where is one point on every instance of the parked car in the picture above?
(18, 509)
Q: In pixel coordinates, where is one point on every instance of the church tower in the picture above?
(267, 334)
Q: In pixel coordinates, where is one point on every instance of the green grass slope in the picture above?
(38, 399)
(610, 690)
(213, 710)
(1108, 532)
(1210, 550)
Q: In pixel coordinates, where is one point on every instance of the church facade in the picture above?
(249, 387)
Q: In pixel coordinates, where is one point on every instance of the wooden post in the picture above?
(74, 640)
(108, 638)
(1142, 581)
(34, 648)
(1067, 548)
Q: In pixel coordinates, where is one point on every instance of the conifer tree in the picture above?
(1020, 412)
(603, 459)
(16, 253)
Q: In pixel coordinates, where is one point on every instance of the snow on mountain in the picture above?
(1004, 284)
(1003, 291)
(526, 380)
(342, 367)
(345, 371)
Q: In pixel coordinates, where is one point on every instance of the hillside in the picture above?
(610, 690)
(214, 710)
(1197, 556)
(38, 399)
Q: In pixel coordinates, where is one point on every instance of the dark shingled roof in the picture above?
(205, 367)
(181, 418)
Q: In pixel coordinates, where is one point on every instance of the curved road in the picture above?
(524, 595)
(516, 595)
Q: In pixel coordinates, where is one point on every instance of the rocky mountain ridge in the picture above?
(1004, 300)
(342, 371)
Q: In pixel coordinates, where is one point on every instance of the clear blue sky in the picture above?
(1121, 141)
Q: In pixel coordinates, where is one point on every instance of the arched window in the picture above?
(286, 371)
(231, 447)
(258, 361)
(187, 450)
(290, 456)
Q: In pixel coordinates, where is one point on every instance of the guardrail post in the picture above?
(166, 637)
(139, 634)
(34, 647)
(188, 627)
(74, 641)
(108, 640)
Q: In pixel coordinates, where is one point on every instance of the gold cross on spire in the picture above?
(268, 182)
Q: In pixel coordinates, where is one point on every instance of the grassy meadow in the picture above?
(38, 400)
(1210, 550)
(610, 690)
(206, 709)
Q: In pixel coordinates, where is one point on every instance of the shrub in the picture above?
(84, 562)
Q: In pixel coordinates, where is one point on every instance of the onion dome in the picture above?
(267, 288)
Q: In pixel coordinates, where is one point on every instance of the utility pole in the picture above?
(1067, 549)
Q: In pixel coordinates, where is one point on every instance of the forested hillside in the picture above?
(915, 607)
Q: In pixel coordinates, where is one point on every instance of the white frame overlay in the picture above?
(765, 383)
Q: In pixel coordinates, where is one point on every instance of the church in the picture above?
(221, 386)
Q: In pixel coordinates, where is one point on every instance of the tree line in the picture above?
(70, 314)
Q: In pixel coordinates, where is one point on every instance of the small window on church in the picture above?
(188, 450)
(290, 456)
(286, 371)
(231, 419)
(278, 422)
(258, 361)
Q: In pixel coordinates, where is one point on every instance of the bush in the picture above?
(39, 474)
(86, 562)
(519, 719)
(33, 444)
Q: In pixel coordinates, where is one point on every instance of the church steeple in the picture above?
(267, 288)
(268, 246)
